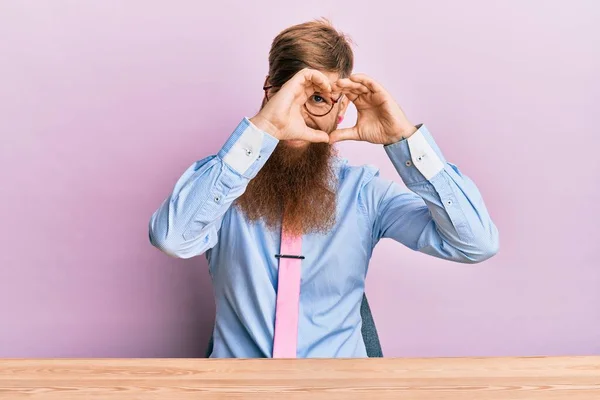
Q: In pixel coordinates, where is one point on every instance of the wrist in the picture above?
(402, 134)
(265, 125)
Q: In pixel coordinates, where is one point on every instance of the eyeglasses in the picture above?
(317, 105)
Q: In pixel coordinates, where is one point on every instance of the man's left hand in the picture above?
(380, 119)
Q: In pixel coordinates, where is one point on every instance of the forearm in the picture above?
(456, 207)
(187, 222)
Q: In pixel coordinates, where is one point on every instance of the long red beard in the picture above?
(300, 182)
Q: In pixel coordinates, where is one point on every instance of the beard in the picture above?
(298, 185)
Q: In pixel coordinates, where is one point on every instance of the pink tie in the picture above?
(288, 296)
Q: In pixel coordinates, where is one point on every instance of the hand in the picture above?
(380, 120)
(282, 114)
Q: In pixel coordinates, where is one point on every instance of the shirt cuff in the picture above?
(247, 149)
(417, 158)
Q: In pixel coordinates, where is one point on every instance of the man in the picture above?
(277, 181)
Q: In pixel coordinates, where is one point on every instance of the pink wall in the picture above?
(104, 103)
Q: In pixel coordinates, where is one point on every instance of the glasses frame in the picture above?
(266, 88)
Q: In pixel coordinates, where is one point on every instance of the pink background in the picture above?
(103, 104)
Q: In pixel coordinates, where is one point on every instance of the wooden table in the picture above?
(529, 378)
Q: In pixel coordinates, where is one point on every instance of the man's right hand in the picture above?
(282, 117)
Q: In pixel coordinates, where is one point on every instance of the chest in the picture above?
(335, 262)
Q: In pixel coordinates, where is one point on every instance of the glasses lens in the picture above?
(318, 105)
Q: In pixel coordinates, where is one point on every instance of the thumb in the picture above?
(315, 136)
(344, 134)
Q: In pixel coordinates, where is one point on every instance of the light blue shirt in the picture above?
(442, 215)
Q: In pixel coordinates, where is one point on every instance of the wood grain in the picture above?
(531, 378)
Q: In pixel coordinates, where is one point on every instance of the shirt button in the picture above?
(449, 202)
(408, 163)
(248, 152)
(217, 199)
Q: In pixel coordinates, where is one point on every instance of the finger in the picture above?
(347, 85)
(316, 80)
(358, 92)
(315, 136)
(351, 89)
(335, 89)
(367, 81)
(351, 96)
(344, 134)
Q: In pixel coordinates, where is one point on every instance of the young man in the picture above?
(288, 228)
